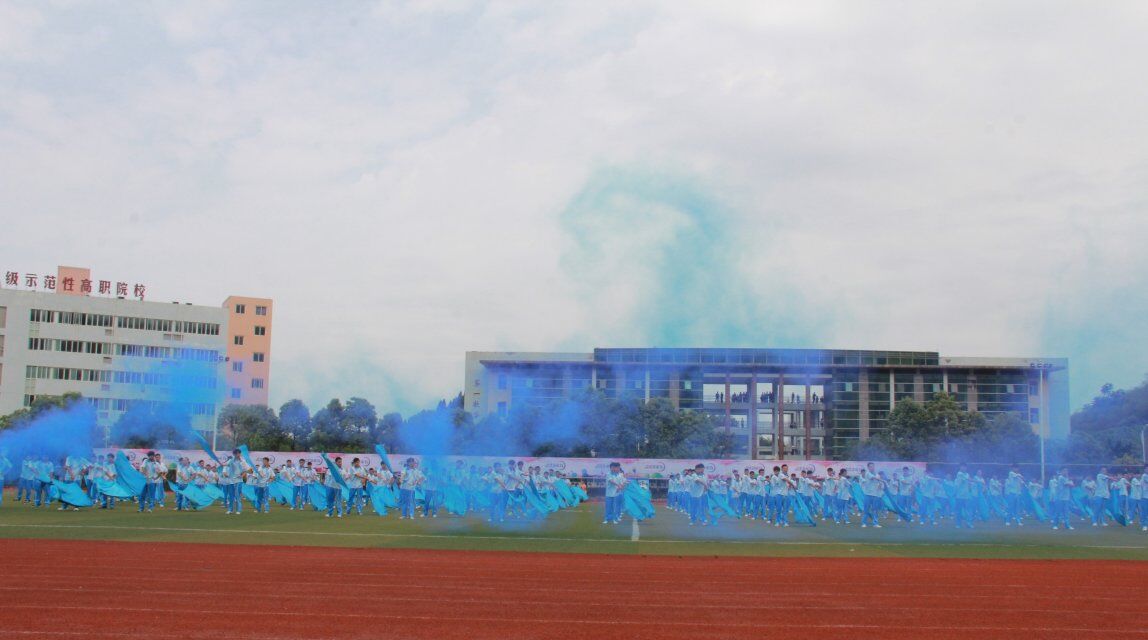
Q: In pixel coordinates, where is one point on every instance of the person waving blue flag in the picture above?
(335, 484)
(207, 447)
(386, 460)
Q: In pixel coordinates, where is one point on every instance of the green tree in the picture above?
(1107, 429)
(295, 418)
(386, 432)
(339, 427)
(39, 406)
(255, 426)
(149, 426)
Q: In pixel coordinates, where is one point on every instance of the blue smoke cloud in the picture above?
(1100, 330)
(56, 433)
(682, 257)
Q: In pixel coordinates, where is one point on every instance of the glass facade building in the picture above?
(778, 403)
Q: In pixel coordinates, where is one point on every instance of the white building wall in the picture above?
(17, 328)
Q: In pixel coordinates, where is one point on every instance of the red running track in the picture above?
(65, 589)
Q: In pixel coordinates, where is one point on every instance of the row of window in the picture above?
(169, 353)
(260, 310)
(259, 331)
(34, 372)
(37, 372)
(256, 383)
(123, 322)
(123, 404)
(176, 326)
(71, 317)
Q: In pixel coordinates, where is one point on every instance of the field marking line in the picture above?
(500, 599)
(465, 536)
(550, 621)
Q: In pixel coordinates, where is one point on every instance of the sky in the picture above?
(412, 180)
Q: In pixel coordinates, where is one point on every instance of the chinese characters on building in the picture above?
(69, 284)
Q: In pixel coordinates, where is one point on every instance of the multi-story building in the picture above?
(778, 403)
(248, 349)
(120, 351)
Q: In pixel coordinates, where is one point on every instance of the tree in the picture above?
(339, 427)
(1107, 429)
(386, 432)
(939, 429)
(39, 406)
(152, 425)
(295, 419)
(255, 426)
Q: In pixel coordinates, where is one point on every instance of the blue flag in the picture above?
(246, 455)
(71, 493)
(127, 476)
(205, 446)
(636, 501)
(334, 471)
(113, 489)
(195, 495)
(382, 451)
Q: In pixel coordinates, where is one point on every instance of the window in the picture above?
(238, 340)
(257, 357)
(502, 381)
(260, 331)
(257, 383)
(502, 409)
(236, 393)
(237, 366)
(260, 310)
(240, 308)
(1034, 416)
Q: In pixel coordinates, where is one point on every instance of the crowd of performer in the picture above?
(780, 496)
(499, 492)
(774, 496)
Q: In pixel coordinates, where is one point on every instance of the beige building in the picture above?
(70, 332)
(777, 404)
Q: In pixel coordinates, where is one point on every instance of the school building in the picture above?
(778, 404)
(69, 332)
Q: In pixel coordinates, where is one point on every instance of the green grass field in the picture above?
(574, 531)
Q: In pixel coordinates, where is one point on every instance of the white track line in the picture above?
(556, 539)
(552, 621)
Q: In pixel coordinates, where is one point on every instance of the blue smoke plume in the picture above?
(683, 258)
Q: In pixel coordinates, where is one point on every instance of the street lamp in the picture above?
(1144, 445)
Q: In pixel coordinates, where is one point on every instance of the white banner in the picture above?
(637, 467)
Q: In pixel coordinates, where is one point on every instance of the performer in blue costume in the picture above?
(409, 483)
(615, 483)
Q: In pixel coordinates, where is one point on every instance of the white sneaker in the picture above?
(1007, 524)
(864, 526)
(876, 526)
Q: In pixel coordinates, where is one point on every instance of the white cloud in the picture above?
(394, 175)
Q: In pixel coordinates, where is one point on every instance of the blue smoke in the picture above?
(56, 433)
(682, 258)
(1100, 330)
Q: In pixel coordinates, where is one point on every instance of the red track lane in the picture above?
(79, 589)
